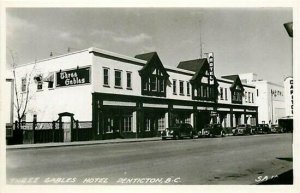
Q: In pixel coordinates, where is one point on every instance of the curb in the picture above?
(69, 144)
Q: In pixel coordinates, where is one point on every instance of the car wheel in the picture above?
(222, 134)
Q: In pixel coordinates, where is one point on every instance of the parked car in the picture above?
(276, 129)
(212, 130)
(179, 131)
(263, 129)
(242, 129)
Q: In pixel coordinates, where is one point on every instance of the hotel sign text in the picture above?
(73, 77)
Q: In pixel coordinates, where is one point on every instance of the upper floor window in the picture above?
(40, 85)
(187, 88)
(129, 80)
(249, 95)
(246, 97)
(106, 76)
(118, 78)
(252, 97)
(256, 92)
(161, 85)
(221, 93)
(153, 83)
(181, 88)
(23, 84)
(225, 90)
(174, 87)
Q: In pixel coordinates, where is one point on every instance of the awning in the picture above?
(49, 78)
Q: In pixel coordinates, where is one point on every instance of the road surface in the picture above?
(228, 160)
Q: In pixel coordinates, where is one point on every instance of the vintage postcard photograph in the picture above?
(151, 96)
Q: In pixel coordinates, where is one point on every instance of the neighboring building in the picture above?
(270, 98)
(289, 96)
(135, 96)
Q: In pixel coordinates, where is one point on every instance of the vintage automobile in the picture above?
(263, 129)
(242, 129)
(179, 131)
(212, 130)
(276, 129)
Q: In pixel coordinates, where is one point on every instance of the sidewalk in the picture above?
(79, 143)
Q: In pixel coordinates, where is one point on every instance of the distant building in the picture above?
(289, 96)
(270, 98)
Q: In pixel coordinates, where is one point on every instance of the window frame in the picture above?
(104, 76)
(118, 71)
(174, 87)
(181, 87)
(129, 86)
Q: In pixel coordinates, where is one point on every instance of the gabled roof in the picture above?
(199, 66)
(192, 65)
(236, 81)
(152, 59)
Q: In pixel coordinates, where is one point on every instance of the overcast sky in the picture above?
(243, 40)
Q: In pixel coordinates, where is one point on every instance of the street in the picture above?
(229, 160)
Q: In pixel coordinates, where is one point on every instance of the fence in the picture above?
(46, 132)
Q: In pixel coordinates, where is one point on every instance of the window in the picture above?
(153, 83)
(127, 123)
(23, 84)
(161, 85)
(145, 85)
(204, 91)
(34, 118)
(225, 94)
(188, 88)
(109, 125)
(221, 93)
(252, 97)
(161, 124)
(40, 85)
(50, 84)
(106, 76)
(118, 78)
(249, 99)
(256, 92)
(129, 80)
(174, 87)
(246, 97)
(148, 124)
(181, 88)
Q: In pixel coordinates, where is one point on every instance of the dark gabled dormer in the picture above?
(237, 89)
(154, 76)
(204, 86)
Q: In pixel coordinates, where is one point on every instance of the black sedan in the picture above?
(179, 131)
(212, 130)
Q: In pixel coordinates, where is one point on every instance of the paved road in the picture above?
(229, 160)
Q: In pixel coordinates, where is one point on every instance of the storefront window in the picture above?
(161, 123)
(127, 124)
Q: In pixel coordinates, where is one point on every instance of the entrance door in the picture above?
(66, 126)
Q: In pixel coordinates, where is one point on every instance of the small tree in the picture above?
(22, 98)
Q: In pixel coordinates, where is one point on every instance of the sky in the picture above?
(243, 40)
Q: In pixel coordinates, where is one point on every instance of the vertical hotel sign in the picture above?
(73, 77)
